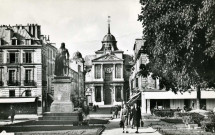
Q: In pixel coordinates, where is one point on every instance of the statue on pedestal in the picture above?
(62, 61)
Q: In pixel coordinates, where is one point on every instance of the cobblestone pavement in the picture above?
(113, 129)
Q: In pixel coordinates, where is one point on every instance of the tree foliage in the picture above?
(180, 41)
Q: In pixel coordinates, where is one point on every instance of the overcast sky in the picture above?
(81, 24)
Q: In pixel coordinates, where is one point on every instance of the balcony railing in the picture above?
(1, 83)
(29, 83)
(13, 83)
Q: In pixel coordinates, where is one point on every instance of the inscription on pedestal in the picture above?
(62, 91)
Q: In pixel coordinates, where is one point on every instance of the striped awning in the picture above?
(134, 98)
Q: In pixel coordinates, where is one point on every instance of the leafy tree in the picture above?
(180, 42)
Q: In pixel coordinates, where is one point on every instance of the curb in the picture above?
(100, 131)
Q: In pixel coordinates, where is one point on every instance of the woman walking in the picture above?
(133, 111)
(124, 118)
(138, 118)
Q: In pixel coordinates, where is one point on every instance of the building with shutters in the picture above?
(76, 72)
(49, 52)
(107, 73)
(22, 84)
(146, 91)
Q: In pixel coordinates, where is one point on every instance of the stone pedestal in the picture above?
(62, 91)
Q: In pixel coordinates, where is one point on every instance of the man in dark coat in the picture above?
(12, 113)
(137, 118)
(133, 112)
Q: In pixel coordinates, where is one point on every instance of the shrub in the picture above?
(209, 124)
(190, 117)
(180, 114)
(164, 113)
(196, 118)
(211, 117)
(178, 121)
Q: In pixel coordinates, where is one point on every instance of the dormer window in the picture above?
(32, 41)
(1, 41)
(14, 41)
(27, 41)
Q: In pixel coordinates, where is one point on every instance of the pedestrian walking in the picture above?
(133, 111)
(12, 113)
(116, 111)
(87, 110)
(136, 117)
(124, 118)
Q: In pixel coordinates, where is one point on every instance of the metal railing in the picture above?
(29, 83)
(13, 83)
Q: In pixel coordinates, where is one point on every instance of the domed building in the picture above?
(106, 80)
(77, 56)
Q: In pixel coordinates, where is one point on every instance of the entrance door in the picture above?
(107, 95)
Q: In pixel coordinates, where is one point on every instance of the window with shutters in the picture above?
(28, 75)
(118, 71)
(12, 78)
(11, 75)
(98, 93)
(97, 71)
(118, 90)
(1, 57)
(13, 57)
(27, 57)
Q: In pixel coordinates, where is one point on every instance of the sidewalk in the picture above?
(19, 118)
(113, 129)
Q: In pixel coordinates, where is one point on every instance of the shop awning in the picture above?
(16, 100)
(169, 95)
(134, 98)
(51, 96)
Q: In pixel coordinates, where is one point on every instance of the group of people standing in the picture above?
(130, 115)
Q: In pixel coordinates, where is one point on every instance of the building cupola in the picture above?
(109, 41)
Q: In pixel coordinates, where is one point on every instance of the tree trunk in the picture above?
(198, 97)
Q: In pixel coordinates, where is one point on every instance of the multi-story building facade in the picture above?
(21, 68)
(76, 71)
(49, 52)
(107, 74)
(146, 91)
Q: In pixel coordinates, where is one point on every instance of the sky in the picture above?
(81, 24)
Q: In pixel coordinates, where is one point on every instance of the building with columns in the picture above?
(107, 73)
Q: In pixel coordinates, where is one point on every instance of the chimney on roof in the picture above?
(48, 37)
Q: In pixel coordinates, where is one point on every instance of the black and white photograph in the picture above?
(107, 67)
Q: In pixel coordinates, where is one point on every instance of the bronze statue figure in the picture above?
(62, 61)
